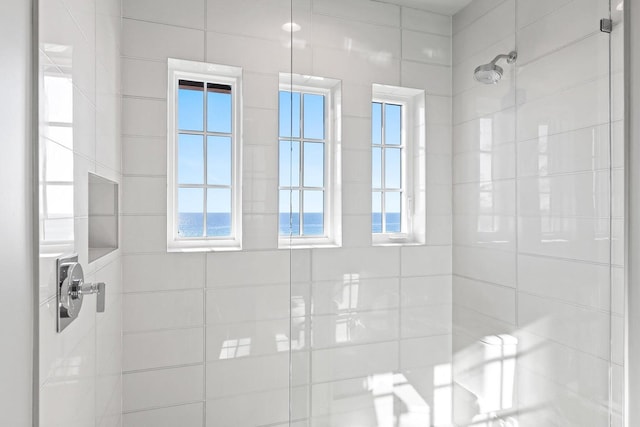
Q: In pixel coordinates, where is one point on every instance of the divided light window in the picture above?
(203, 156)
(303, 145)
(388, 146)
(204, 159)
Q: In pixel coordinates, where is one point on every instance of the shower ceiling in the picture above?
(446, 7)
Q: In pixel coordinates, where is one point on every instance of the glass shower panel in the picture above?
(505, 314)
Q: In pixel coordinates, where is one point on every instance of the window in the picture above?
(204, 201)
(397, 163)
(308, 161)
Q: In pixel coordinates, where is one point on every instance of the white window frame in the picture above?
(413, 166)
(213, 73)
(331, 89)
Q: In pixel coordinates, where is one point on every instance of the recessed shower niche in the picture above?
(103, 216)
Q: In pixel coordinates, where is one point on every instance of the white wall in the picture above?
(79, 133)
(181, 308)
(532, 258)
(16, 254)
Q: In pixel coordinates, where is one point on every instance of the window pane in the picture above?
(218, 110)
(190, 159)
(289, 163)
(313, 116)
(376, 212)
(376, 167)
(190, 212)
(289, 212)
(313, 164)
(190, 105)
(392, 124)
(218, 212)
(376, 123)
(313, 208)
(286, 114)
(219, 160)
(392, 212)
(392, 168)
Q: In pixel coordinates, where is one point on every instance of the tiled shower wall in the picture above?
(533, 290)
(206, 336)
(79, 76)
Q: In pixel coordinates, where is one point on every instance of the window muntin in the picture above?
(204, 203)
(388, 145)
(302, 154)
(205, 160)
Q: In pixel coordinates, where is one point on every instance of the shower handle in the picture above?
(72, 289)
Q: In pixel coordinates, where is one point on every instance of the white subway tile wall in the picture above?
(80, 133)
(216, 327)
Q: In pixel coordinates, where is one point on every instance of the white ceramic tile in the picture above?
(427, 22)
(144, 156)
(260, 89)
(488, 299)
(267, 408)
(333, 297)
(353, 264)
(260, 20)
(490, 231)
(570, 66)
(142, 234)
(581, 150)
(259, 55)
(144, 78)
(576, 195)
(239, 304)
(472, 12)
(347, 328)
(185, 14)
(484, 100)
(529, 12)
(247, 375)
(439, 229)
(251, 338)
(144, 195)
(425, 260)
(165, 387)
(567, 24)
(248, 268)
(579, 107)
(260, 231)
(355, 37)
(434, 79)
(183, 415)
(355, 67)
(426, 291)
(426, 48)
(354, 361)
(425, 321)
(489, 265)
(485, 198)
(488, 131)
(484, 31)
(169, 41)
(583, 239)
(581, 328)
(159, 272)
(144, 117)
(360, 10)
(148, 350)
(162, 310)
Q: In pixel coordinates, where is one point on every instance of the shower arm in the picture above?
(510, 57)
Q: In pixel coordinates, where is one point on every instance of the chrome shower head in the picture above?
(491, 73)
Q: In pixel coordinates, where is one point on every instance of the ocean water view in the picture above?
(191, 224)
